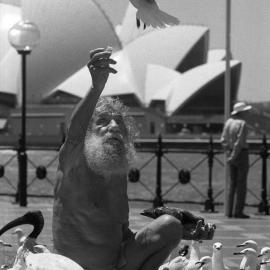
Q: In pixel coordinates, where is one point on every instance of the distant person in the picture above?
(234, 141)
(91, 212)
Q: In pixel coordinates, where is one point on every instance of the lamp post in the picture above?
(23, 36)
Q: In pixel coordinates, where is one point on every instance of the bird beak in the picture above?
(241, 245)
(200, 264)
(260, 255)
(261, 263)
(237, 253)
(34, 218)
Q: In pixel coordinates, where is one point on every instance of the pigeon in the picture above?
(205, 263)
(184, 216)
(150, 14)
(265, 254)
(195, 227)
(250, 259)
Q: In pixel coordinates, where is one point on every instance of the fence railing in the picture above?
(161, 155)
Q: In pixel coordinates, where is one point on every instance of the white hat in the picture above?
(240, 107)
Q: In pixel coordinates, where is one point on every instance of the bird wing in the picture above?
(149, 12)
(49, 261)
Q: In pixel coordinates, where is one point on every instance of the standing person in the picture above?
(91, 212)
(234, 141)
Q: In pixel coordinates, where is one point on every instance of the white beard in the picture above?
(107, 157)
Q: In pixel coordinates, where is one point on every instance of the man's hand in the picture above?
(199, 231)
(99, 66)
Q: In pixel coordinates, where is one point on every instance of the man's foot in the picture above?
(241, 216)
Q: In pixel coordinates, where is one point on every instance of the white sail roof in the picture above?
(216, 55)
(189, 83)
(69, 30)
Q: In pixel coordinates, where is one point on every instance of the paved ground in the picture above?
(229, 232)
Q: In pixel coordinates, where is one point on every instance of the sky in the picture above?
(250, 39)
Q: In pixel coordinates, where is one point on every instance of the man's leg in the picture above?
(241, 192)
(241, 188)
(153, 244)
(231, 189)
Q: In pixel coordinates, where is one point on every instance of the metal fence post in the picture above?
(209, 203)
(263, 205)
(159, 152)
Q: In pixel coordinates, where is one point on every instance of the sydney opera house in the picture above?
(170, 78)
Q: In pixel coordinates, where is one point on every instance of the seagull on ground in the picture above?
(251, 244)
(205, 263)
(217, 257)
(178, 263)
(150, 14)
(265, 255)
(265, 265)
(195, 255)
(250, 259)
(182, 262)
(183, 251)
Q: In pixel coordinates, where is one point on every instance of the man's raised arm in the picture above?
(99, 67)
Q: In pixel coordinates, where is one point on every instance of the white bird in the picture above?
(182, 262)
(178, 263)
(21, 237)
(249, 261)
(205, 263)
(41, 249)
(179, 251)
(251, 244)
(150, 14)
(217, 257)
(26, 258)
(195, 255)
(265, 255)
(265, 265)
(4, 244)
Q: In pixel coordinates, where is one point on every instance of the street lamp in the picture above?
(23, 36)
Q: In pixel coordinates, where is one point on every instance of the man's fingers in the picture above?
(106, 69)
(98, 50)
(103, 62)
(211, 231)
(101, 55)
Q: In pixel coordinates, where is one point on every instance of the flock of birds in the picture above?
(189, 258)
(32, 255)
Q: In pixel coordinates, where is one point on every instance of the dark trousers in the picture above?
(238, 184)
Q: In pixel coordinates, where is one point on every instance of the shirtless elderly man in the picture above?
(91, 212)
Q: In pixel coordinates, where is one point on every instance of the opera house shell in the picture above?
(172, 70)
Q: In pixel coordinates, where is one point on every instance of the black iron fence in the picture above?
(168, 170)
